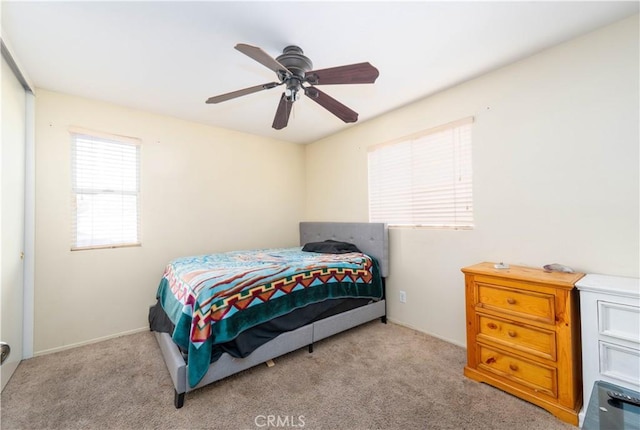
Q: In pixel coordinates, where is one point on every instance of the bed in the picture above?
(203, 341)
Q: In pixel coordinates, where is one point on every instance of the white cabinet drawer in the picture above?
(619, 362)
(619, 321)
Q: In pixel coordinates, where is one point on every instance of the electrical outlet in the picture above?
(403, 297)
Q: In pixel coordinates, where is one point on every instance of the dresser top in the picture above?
(524, 273)
(610, 284)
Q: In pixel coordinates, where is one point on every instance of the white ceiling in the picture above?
(169, 57)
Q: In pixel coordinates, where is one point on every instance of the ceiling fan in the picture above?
(293, 69)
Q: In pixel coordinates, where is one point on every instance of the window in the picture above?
(423, 180)
(105, 184)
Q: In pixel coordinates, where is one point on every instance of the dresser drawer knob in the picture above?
(492, 326)
(512, 333)
(511, 301)
(513, 367)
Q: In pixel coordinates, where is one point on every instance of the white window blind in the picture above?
(423, 180)
(105, 190)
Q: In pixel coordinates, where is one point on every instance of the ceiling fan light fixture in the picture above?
(293, 89)
(292, 94)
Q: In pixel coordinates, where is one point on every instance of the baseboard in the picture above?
(582, 414)
(138, 330)
(396, 322)
(89, 342)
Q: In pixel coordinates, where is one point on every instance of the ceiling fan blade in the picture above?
(331, 104)
(281, 119)
(243, 92)
(263, 58)
(361, 73)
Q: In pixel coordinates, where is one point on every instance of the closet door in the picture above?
(12, 192)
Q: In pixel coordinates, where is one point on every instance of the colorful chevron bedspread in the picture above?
(213, 298)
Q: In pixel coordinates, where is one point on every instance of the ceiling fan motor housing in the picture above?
(293, 58)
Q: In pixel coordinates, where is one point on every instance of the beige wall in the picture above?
(203, 190)
(556, 179)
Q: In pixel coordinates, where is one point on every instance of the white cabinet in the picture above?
(610, 320)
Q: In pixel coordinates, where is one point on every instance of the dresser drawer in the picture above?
(522, 303)
(539, 378)
(619, 362)
(531, 340)
(619, 321)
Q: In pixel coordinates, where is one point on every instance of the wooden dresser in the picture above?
(523, 335)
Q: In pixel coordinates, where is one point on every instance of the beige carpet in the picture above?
(372, 377)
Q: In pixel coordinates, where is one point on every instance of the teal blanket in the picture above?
(212, 298)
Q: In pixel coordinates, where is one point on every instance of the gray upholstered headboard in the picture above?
(372, 238)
